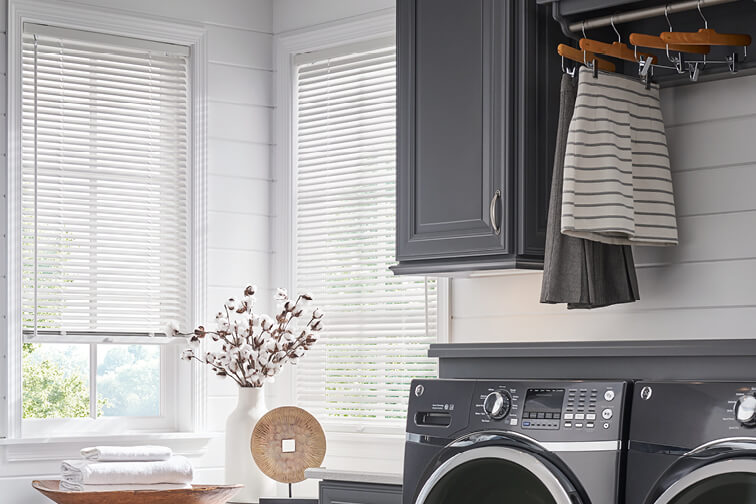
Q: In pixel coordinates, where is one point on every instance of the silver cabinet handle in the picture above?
(492, 211)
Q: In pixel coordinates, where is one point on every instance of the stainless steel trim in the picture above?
(525, 460)
(635, 15)
(716, 469)
(746, 442)
(553, 446)
(492, 211)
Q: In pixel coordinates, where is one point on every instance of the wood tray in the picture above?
(199, 494)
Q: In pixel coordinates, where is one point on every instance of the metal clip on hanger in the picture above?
(579, 56)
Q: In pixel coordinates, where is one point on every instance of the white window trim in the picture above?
(287, 45)
(188, 385)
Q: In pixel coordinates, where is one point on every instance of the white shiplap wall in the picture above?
(240, 109)
(703, 288)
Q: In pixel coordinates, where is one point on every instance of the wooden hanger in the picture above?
(654, 42)
(579, 56)
(615, 50)
(705, 36)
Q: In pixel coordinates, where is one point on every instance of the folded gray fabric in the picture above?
(581, 273)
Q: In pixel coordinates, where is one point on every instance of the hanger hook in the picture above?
(611, 20)
(706, 21)
(584, 35)
(666, 15)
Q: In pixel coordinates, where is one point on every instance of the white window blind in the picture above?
(377, 325)
(105, 224)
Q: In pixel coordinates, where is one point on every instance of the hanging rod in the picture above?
(649, 12)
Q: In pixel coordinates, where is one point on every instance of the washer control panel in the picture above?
(587, 409)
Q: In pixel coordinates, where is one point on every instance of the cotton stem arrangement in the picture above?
(254, 348)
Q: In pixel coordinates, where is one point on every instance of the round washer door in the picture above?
(495, 474)
(731, 481)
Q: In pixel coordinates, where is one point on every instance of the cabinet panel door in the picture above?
(454, 101)
(359, 493)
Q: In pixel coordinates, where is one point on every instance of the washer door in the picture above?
(731, 481)
(496, 474)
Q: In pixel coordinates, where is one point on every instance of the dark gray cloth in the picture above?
(581, 273)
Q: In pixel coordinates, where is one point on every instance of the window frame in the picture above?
(288, 46)
(185, 403)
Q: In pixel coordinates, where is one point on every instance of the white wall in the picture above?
(240, 108)
(702, 288)
(298, 14)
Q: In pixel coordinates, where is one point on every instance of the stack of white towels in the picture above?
(116, 468)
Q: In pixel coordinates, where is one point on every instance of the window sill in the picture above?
(189, 444)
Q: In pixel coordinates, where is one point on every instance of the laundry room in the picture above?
(378, 251)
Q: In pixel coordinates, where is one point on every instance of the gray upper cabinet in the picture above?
(472, 186)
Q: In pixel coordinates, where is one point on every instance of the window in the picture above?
(105, 222)
(377, 326)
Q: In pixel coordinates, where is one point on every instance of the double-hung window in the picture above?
(105, 226)
(377, 325)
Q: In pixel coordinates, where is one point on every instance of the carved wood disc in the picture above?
(285, 442)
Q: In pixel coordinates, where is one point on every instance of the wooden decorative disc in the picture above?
(285, 442)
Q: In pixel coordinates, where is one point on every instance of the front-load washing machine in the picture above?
(692, 443)
(514, 441)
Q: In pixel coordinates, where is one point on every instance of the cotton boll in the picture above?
(281, 294)
(187, 354)
(172, 329)
(266, 322)
(317, 313)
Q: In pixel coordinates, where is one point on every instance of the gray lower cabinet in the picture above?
(477, 105)
(342, 492)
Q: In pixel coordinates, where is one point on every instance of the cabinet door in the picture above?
(454, 129)
(333, 492)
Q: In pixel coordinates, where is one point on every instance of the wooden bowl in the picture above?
(198, 494)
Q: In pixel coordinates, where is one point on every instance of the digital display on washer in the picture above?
(543, 403)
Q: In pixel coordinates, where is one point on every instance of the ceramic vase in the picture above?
(240, 466)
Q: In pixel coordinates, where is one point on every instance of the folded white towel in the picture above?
(126, 453)
(177, 469)
(79, 487)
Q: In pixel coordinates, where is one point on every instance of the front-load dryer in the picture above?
(514, 441)
(692, 443)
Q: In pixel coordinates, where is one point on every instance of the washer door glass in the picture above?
(728, 481)
(490, 481)
(495, 475)
(732, 488)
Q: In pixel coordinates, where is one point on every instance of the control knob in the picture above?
(497, 404)
(745, 410)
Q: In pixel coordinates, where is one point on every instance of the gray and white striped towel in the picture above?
(617, 183)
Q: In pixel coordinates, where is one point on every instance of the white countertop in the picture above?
(323, 473)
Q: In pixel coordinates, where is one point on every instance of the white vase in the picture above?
(240, 466)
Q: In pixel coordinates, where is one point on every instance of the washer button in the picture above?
(606, 425)
(607, 414)
(578, 425)
(589, 425)
(568, 416)
(580, 416)
(590, 416)
(609, 395)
